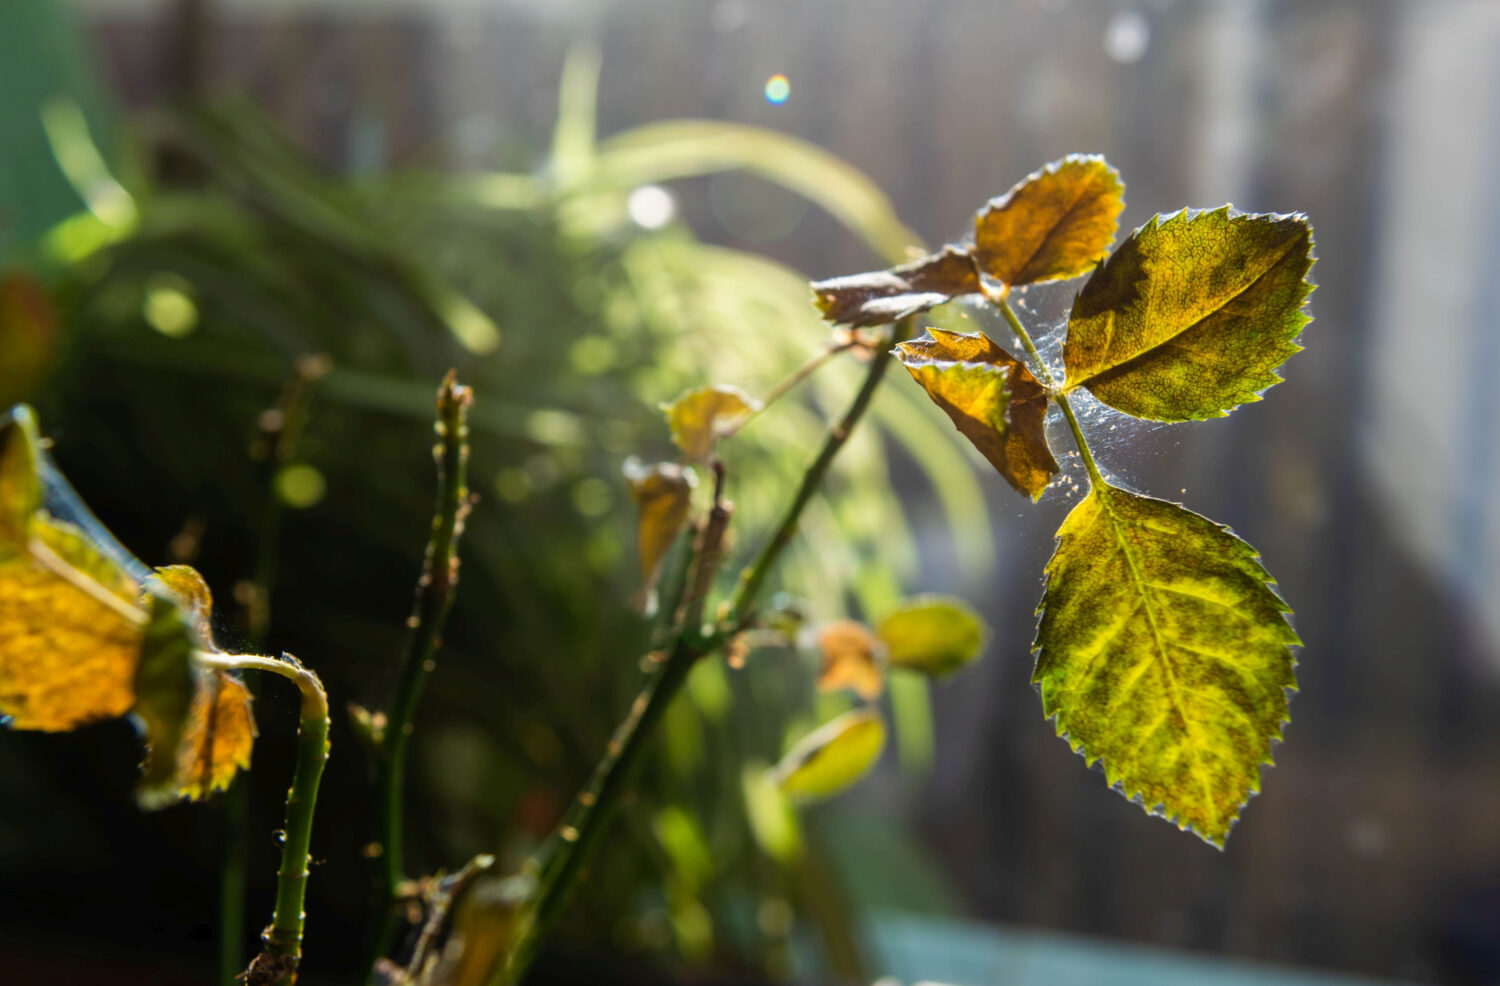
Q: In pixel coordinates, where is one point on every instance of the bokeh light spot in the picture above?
(651, 207)
(778, 89)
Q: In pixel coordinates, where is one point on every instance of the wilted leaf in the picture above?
(932, 634)
(1192, 315)
(833, 756)
(664, 493)
(70, 634)
(164, 688)
(699, 416)
(993, 399)
(886, 296)
(1055, 224)
(850, 659)
(1163, 652)
(184, 586)
(218, 737)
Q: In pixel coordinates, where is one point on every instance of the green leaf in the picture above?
(1055, 224)
(699, 416)
(883, 296)
(1193, 314)
(1164, 653)
(20, 481)
(933, 634)
(991, 397)
(772, 820)
(833, 756)
(164, 688)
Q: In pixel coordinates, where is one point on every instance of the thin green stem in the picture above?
(574, 841)
(754, 576)
(434, 599)
(1000, 301)
(281, 430)
(791, 380)
(277, 963)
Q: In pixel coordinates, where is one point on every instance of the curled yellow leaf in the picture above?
(932, 634)
(851, 659)
(663, 492)
(218, 737)
(1055, 224)
(698, 417)
(991, 397)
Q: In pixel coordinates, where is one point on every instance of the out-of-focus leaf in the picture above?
(699, 416)
(1055, 224)
(833, 756)
(218, 737)
(486, 928)
(70, 634)
(851, 659)
(932, 634)
(1193, 314)
(20, 479)
(28, 336)
(992, 398)
(1163, 652)
(664, 493)
(773, 822)
(883, 296)
(682, 838)
(164, 690)
(683, 148)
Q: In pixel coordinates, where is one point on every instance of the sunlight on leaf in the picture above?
(217, 739)
(886, 296)
(933, 634)
(991, 397)
(20, 482)
(1055, 224)
(833, 756)
(1163, 652)
(664, 493)
(1193, 314)
(851, 659)
(698, 417)
(184, 586)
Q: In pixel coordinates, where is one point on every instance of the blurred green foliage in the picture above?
(188, 301)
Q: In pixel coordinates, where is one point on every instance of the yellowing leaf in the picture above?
(833, 756)
(664, 493)
(1192, 315)
(886, 296)
(1163, 652)
(164, 689)
(1055, 224)
(850, 659)
(218, 737)
(70, 633)
(184, 586)
(698, 417)
(932, 634)
(991, 397)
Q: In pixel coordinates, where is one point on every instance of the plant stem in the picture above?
(755, 575)
(574, 841)
(276, 965)
(791, 380)
(281, 430)
(430, 612)
(1000, 301)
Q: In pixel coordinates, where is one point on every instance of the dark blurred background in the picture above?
(212, 210)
